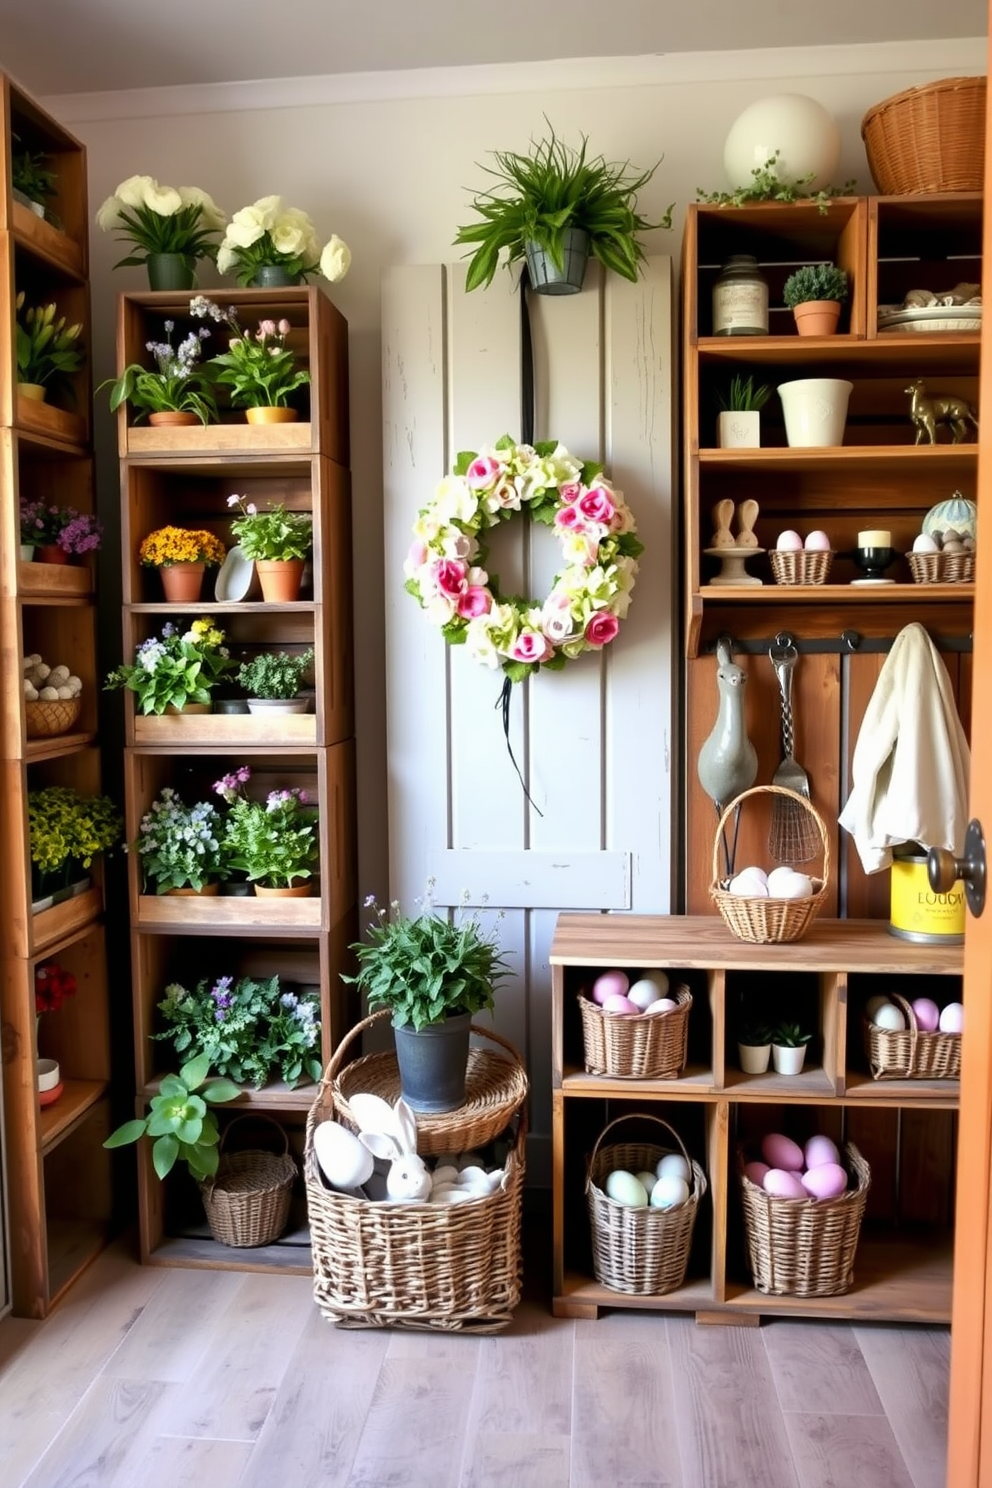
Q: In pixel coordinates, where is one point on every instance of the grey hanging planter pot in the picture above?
(432, 1063)
(546, 277)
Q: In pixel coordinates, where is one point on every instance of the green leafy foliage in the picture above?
(30, 174)
(274, 674)
(179, 1122)
(258, 367)
(175, 667)
(274, 533)
(179, 846)
(250, 1030)
(823, 281)
(742, 396)
(766, 185)
(540, 196)
(754, 1034)
(273, 842)
(48, 350)
(788, 1035)
(177, 385)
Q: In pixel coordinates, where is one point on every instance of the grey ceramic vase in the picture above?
(433, 1062)
(547, 278)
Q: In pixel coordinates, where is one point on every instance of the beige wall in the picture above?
(392, 175)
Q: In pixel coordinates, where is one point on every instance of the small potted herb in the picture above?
(278, 542)
(181, 1126)
(32, 180)
(272, 681)
(177, 392)
(48, 350)
(273, 842)
(258, 368)
(789, 1048)
(179, 846)
(738, 423)
(754, 1046)
(177, 670)
(251, 1030)
(815, 294)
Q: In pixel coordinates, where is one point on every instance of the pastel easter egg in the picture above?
(820, 1150)
(952, 1018)
(828, 1181)
(672, 1165)
(873, 1004)
(625, 1189)
(669, 1192)
(889, 1017)
(817, 542)
(927, 1014)
(791, 886)
(608, 983)
(647, 990)
(344, 1162)
(617, 1003)
(747, 886)
(789, 542)
(784, 1185)
(925, 544)
(756, 1171)
(648, 1179)
(663, 1005)
(780, 1151)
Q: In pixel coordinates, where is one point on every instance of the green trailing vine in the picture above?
(767, 186)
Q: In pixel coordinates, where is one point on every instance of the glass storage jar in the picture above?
(740, 298)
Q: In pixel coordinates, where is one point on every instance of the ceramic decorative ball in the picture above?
(805, 134)
(957, 513)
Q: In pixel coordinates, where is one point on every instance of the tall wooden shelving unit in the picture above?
(58, 1174)
(184, 476)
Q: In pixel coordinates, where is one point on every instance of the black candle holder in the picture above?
(874, 562)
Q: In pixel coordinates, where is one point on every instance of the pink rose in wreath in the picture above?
(482, 472)
(449, 574)
(531, 646)
(601, 628)
(474, 602)
(569, 518)
(597, 505)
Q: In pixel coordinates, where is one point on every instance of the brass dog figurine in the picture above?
(927, 413)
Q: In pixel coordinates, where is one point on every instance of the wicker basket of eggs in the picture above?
(801, 560)
(52, 698)
(913, 1040)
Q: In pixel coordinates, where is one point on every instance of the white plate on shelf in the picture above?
(930, 318)
(235, 577)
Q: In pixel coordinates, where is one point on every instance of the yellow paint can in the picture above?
(916, 912)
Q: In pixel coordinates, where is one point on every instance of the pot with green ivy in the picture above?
(738, 424)
(754, 1047)
(815, 294)
(554, 207)
(272, 682)
(432, 973)
(789, 1048)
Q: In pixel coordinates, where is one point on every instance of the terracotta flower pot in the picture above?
(280, 578)
(817, 317)
(51, 553)
(173, 418)
(269, 415)
(206, 892)
(294, 891)
(182, 582)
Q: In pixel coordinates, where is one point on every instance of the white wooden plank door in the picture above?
(596, 742)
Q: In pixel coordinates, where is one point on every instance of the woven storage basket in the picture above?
(495, 1090)
(247, 1200)
(928, 139)
(450, 1267)
(942, 568)
(644, 1252)
(803, 567)
(804, 1247)
(910, 1053)
(621, 1045)
(769, 921)
(48, 716)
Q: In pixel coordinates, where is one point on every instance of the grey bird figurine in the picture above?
(727, 762)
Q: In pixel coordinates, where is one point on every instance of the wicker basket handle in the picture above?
(337, 1058)
(912, 1026)
(771, 790)
(256, 1118)
(658, 1121)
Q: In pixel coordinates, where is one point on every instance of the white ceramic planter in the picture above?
(815, 410)
(754, 1058)
(278, 705)
(788, 1061)
(48, 1074)
(26, 552)
(739, 430)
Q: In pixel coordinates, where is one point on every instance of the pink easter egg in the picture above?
(784, 1185)
(663, 1005)
(617, 1003)
(780, 1151)
(927, 1014)
(820, 1150)
(608, 984)
(817, 542)
(828, 1181)
(756, 1172)
(789, 542)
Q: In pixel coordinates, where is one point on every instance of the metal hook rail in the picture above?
(848, 643)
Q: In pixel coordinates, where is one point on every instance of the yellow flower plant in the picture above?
(168, 545)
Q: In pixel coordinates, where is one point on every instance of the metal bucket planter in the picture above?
(547, 278)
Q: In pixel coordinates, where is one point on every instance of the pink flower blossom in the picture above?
(569, 518)
(597, 505)
(449, 576)
(417, 556)
(474, 602)
(601, 628)
(568, 490)
(531, 646)
(482, 472)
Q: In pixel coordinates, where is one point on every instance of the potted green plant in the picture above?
(66, 831)
(179, 846)
(432, 973)
(172, 227)
(768, 185)
(177, 392)
(789, 1047)
(554, 207)
(272, 681)
(815, 294)
(177, 670)
(754, 1046)
(48, 350)
(258, 368)
(252, 1030)
(274, 842)
(32, 180)
(277, 541)
(738, 423)
(269, 244)
(182, 1127)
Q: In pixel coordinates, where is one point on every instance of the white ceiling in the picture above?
(83, 46)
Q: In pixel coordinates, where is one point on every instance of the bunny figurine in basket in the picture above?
(388, 1133)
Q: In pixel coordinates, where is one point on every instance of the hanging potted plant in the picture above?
(179, 846)
(272, 682)
(554, 207)
(259, 368)
(177, 392)
(815, 294)
(177, 670)
(170, 226)
(738, 423)
(789, 1048)
(182, 555)
(273, 842)
(433, 974)
(269, 245)
(48, 350)
(278, 542)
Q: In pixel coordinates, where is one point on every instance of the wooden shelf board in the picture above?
(695, 1081)
(932, 352)
(64, 921)
(222, 915)
(177, 732)
(291, 1257)
(40, 238)
(695, 1294)
(52, 422)
(55, 581)
(813, 1084)
(249, 440)
(940, 459)
(276, 1096)
(845, 594)
(212, 607)
(62, 1118)
(897, 1278)
(57, 746)
(72, 1245)
(923, 1094)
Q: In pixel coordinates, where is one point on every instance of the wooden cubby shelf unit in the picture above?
(905, 1128)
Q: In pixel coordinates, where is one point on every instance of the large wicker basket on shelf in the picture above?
(450, 1267)
(247, 1200)
(930, 138)
(649, 1047)
(911, 1053)
(804, 1247)
(769, 921)
(643, 1252)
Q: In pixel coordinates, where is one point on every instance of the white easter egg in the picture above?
(817, 542)
(616, 1003)
(777, 874)
(648, 1179)
(789, 542)
(663, 1005)
(792, 886)
(344, 1162)
(925, 544)
(625, 1189)
(609, 983)
(795, 130)
(673, 1165)
(873, 1004)
(444, 1174)
(952, 1018)
(647, 990)
(889, 1017)
(669, 1192)
(748, 886)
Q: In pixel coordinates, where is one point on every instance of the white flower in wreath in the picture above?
(454, 501)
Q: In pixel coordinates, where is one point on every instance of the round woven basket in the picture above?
(495, 1090)
(804, 1247)
(769, 921)
(48, 716)
(647, 1047)
(804, 567)
(930, 138)
(942, 568)
(911, 1053)
(247, 1200)
(643, 1252)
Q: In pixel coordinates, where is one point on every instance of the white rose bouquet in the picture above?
(269, 234)
(162, 219)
